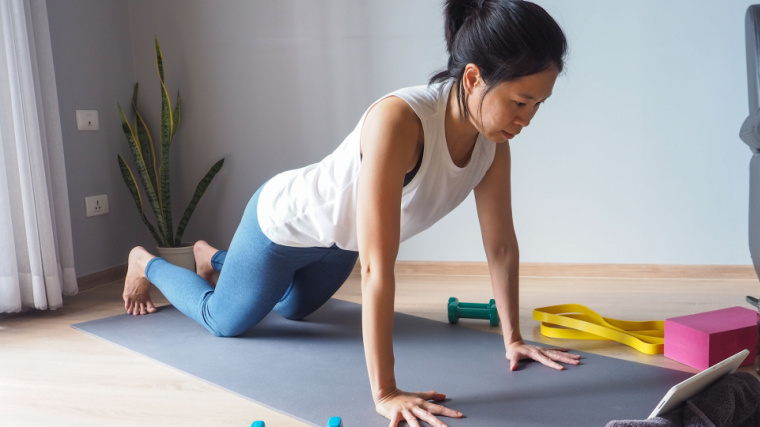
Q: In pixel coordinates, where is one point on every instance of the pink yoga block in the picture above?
(704, 339)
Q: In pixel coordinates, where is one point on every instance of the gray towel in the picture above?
(651, 422)
(733, 401)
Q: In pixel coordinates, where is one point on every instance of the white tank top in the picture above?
(316, 205)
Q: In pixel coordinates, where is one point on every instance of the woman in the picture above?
(414, 156)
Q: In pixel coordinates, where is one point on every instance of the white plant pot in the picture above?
(181, 256)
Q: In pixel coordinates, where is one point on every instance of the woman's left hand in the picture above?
(519, 350)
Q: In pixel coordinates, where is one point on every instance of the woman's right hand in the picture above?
(400, 406)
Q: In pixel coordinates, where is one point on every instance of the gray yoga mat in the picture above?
(315, 369)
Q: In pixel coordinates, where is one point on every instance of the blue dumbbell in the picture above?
(332, 422)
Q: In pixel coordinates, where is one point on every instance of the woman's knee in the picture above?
(293, 311)
(232, 323)
(228, 330)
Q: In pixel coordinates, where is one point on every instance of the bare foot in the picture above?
(136, 285)
(203, 253)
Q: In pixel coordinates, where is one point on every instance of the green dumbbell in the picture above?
(465, 310)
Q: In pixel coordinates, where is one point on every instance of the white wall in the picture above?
(635, 159)
(92, 55)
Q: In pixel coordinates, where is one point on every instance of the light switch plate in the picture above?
(87, 120)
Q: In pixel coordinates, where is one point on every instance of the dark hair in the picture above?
(506, 39)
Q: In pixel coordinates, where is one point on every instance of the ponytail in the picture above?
(455, 13)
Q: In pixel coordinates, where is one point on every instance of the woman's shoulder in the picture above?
(394, 117)
(425, 100)
(428, 92)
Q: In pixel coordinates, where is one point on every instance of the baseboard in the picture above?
(643, 271)
(527, 269)
(535, 269)
(101, 277)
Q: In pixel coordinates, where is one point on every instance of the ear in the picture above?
(471, 78)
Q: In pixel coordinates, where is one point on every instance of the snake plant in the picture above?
(153, 167)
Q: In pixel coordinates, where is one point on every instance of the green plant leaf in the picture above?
(142, 170)
(129, 180)
(146, 141)
(177, 115)
(159, 61)
(199, 191)
(134, 94)
(166, 139)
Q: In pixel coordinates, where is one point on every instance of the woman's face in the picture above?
(510, 106)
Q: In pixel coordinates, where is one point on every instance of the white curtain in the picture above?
(36, 250)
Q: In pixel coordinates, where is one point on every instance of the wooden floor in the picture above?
(51, 374)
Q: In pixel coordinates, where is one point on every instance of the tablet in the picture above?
(686, 389)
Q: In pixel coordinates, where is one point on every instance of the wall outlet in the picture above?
(96, 205)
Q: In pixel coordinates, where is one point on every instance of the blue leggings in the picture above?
(256, 277)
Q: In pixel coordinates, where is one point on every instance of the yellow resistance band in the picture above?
(575, 321)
